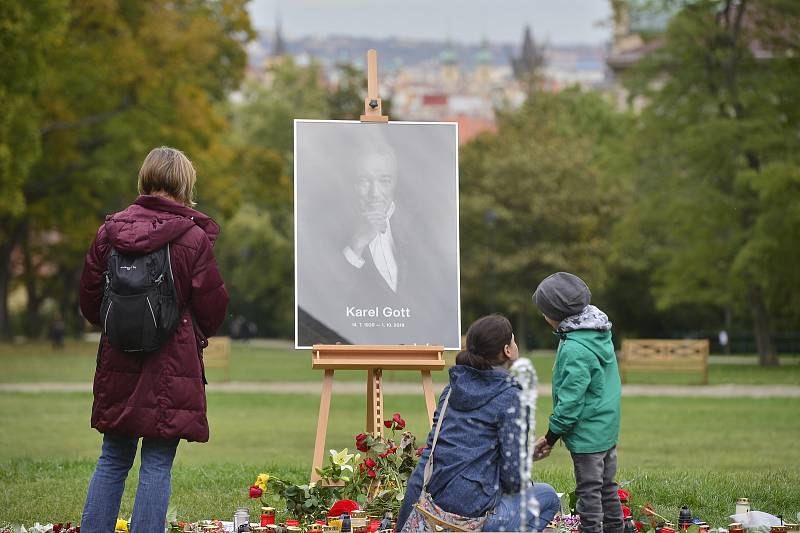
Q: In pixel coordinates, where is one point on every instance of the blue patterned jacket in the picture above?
(477, 455)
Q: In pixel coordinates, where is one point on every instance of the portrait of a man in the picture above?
(376, 233)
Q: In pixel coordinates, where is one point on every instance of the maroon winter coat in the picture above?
(161, 394)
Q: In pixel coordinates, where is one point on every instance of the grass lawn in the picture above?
(27, 363)
(700, 452)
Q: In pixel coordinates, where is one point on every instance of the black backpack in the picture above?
(140, 309)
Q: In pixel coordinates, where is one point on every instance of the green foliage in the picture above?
(98, 85)
(29, 30)
(716, 163)
(256, 262)
(256, 251)
(538, 197)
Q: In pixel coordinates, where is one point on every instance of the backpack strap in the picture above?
(429, 465)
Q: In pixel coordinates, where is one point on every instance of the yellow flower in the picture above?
(122, 525)
(261, 481)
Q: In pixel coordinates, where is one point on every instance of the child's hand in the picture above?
(541, 449)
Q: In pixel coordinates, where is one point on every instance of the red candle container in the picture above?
(267, 516)
(292, 522)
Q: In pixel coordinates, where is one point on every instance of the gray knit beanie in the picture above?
(561, 295)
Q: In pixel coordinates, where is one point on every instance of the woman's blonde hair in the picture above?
(168, 170)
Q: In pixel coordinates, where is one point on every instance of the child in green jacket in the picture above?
(586, 398)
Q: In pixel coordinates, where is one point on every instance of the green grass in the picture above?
(35, 362)
(54, 490)
(703, 452)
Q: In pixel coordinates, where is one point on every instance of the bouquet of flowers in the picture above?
(376, 480)
(380, 481)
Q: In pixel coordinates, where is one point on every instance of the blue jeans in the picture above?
(108, 482)
(505, 516)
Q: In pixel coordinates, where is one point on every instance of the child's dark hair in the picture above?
(486, 338)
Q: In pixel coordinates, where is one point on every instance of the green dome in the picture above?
(448, 56)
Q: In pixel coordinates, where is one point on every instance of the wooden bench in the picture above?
(218, 354)
(664, 355)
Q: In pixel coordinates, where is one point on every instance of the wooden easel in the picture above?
(372, 358)
(372, 103)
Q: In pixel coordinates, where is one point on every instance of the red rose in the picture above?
(398, 420)
(370, 463)
(626, 511)
(57, 528)
(361, 442)
(255, 492)
(639, 525)
(388, 452)
(387, 423)
(420, 450)
(371, 473)
(624, 495)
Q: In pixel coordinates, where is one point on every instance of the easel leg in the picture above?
(322, 423)
(375, 401)
(427, 389)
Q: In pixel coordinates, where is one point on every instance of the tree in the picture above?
(538, 197)
(29, 30)
(717, 162)
(123, 77)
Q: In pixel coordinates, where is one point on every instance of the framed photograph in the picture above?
(376, 233)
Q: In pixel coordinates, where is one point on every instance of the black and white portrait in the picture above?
(376, 233)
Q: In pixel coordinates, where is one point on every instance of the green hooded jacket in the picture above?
(586, 389)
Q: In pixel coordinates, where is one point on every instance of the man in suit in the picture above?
(385, 264)
(371, 247)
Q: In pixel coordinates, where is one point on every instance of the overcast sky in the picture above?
(557, 21)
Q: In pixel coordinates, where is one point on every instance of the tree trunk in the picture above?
(5, 280)
(521, 332)
(6, 249)
(728, 324)
(767, 355)
(32, 321)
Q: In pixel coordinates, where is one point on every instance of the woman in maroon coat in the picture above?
(159, 396)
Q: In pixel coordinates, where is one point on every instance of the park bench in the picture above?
(218, 354)
(664, 355)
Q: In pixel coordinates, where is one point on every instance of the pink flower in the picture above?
(255, 492)
(398, 420)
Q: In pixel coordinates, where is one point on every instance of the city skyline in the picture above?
(561, 23)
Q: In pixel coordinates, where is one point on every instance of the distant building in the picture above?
(277, 54)
(449, 72)
(637, 32)
(430, 81)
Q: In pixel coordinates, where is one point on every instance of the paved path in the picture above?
(349, 387)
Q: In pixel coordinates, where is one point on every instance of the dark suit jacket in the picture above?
(422, 288)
